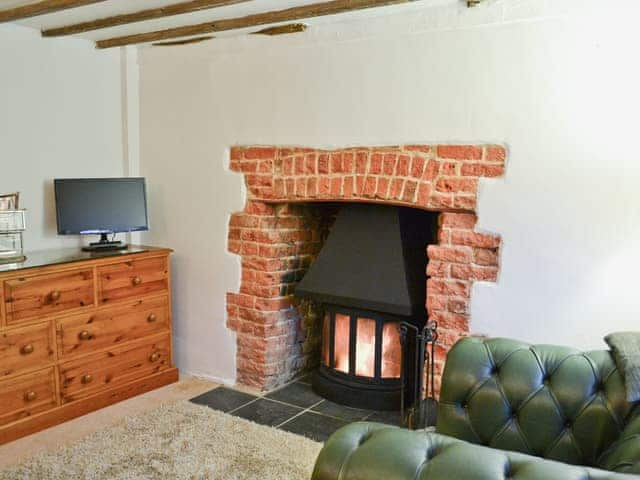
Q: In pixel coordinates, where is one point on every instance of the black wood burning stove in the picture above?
(361, 355)
(369, 276)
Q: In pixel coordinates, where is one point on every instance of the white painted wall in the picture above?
(556, 81)
(62, 114)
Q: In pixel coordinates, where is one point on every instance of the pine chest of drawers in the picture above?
(81, 331)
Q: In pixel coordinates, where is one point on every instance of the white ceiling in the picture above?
(115, 7)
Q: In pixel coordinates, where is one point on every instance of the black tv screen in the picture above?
(100, 205)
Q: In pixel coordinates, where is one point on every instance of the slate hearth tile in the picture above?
(306, 379)
(224, 399)
(340, 411)
(390, 418)
(266, 412)
(297, 393)
(314, 426)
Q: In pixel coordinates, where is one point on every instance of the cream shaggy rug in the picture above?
(179, 441)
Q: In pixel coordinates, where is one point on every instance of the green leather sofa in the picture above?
(508, 410)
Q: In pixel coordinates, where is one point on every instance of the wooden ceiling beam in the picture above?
(173, 43)
(139, 16)
(282, 29)
(331, 7)
(42, 8)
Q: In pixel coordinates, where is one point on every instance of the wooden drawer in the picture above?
(88, 332)
(34, 297)
(133, 279)
(25, 348)
(27, 395)
(117, 366)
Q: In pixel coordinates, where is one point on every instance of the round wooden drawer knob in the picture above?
(30, 396)
(55, 295)
(86, 379)
(152, 318)
(27, 349)
(85, 335)
(154, 357)
(136, 281)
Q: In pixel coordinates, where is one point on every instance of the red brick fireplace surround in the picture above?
(280, 231)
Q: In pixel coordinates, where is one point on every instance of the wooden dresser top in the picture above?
(48, 258)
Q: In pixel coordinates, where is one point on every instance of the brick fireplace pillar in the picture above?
(280, 232)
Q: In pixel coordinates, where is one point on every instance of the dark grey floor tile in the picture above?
(297, 393)
(390, 418)
(314, 426)
(305, 379)
(224, 399)
(340, 411)
(266, 412)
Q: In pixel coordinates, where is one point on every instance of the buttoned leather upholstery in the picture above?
(553, 402)
(524, 402)
(370, 451)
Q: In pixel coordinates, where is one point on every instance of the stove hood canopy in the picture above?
(374, 259)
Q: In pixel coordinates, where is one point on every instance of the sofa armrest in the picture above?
(624, 454)
(365, 451)
(339, 448)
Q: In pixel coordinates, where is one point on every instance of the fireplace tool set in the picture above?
(418, 408)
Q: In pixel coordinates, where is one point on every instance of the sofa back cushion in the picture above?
(552, 402)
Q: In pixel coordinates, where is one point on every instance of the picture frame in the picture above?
(10, 201)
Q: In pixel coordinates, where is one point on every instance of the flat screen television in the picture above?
(101, 206)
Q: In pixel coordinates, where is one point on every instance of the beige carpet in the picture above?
(179, 441)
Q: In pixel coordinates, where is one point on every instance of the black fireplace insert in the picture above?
(368, 278)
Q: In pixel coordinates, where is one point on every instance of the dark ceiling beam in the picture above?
(187, 41)
(42, 8)
(139, 16)
(282, 29)
(290, 14)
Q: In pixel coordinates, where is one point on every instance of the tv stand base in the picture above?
(104, 245)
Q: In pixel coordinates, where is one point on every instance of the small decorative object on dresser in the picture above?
(12, 224)
(9, 201)
(80, 331)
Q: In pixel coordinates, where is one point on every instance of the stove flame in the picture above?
(391, 351)
(365, 346)
(341, 342)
